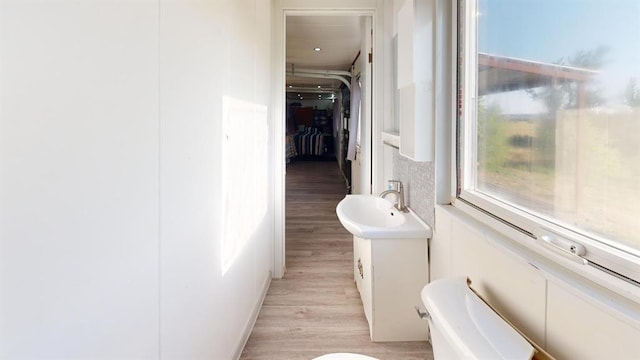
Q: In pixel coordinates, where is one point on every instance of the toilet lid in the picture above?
(344, 356)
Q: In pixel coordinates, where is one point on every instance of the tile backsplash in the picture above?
(419, 185)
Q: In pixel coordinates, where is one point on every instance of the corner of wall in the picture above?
(255, 311)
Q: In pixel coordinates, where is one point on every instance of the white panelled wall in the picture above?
(110, 141)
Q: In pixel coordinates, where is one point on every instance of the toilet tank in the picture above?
(464, 327)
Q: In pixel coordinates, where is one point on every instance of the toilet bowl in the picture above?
(463, 326)
(344, 356)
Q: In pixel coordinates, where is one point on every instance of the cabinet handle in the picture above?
(423, 313)
(360, 270)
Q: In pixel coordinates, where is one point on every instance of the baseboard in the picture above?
(248, 328)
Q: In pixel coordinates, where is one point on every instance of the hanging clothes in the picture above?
(354, 119)
(336, 118)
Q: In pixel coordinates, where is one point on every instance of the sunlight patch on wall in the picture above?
(244, 175)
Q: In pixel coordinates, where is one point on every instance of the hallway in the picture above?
(316, 309)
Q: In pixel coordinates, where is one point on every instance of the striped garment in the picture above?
(310, 142)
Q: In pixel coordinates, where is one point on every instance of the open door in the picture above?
(361, 166)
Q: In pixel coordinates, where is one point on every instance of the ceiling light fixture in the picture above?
(316, 49)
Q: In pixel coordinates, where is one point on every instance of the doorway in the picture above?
(323, 64)
(363, 164)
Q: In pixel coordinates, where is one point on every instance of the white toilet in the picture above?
(462, 326)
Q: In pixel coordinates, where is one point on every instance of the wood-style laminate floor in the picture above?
(316, 309)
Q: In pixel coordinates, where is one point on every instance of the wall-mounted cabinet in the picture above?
(415, 78)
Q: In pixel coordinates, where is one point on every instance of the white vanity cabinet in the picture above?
(389, 274)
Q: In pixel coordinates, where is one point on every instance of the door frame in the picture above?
(281, 9)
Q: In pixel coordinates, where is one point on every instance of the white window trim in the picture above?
(524, 228)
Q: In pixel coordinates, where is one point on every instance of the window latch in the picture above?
(570, 249)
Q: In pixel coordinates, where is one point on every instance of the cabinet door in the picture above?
(405, 20)
(400, 272)
(415, 78)
(366, 290)
(357, 262)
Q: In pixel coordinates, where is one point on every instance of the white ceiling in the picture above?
(338, 37)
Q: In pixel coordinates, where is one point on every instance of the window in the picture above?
(549, 123)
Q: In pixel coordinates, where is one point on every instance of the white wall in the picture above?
(79, 184)
(209, 49)
(110, 120)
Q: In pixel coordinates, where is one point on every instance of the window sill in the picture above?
(604, 288)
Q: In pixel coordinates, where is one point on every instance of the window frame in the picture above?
(618, 263)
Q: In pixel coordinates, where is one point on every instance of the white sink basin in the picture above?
(373, 217)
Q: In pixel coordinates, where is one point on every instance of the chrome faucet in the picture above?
(398, 192)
